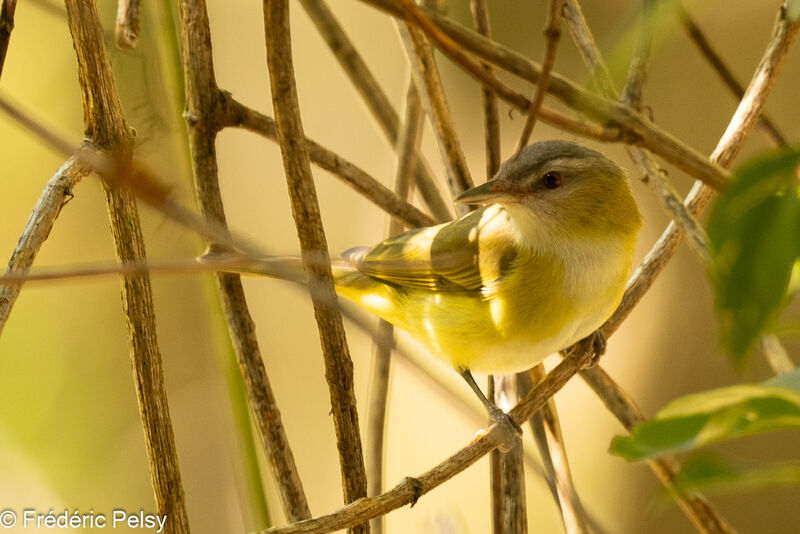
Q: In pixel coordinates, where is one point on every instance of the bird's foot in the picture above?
(510, 432)
(594, 343)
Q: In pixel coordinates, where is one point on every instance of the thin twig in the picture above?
(6, 26)
(514, 512)
(728, 78)
(57, 192)
(587, 47)
(205, 118)
(400, 209)
(377, 402)
(107, 129)
(634, 128)
(546, 430)
(314, 251)
(376, 100)
(129, 20)
(491, 119)
(429, 85)
(552, 33)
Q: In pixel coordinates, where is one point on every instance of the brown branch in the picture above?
(107, 129)
(57, 192)
(205, 117)
(634, 128)
(552, 33)
(546, 430)
(728, 78)
(491, 119)
(129, 20)
(587, 47)
(314, 250)
(429, 85)
(376, 100)
(238, 115)
(6, 26)
(407, 149)
(509, 512)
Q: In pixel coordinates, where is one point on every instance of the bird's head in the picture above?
(561, 188)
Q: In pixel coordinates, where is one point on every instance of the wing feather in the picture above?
(463, 255)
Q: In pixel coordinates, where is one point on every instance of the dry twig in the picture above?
(314, 251)
(57, 192)
(205, 118)
(6, 26)
(129, 20)
(106, 129)
(552, 33)
(374, 97)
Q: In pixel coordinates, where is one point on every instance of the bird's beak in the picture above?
(487, 193)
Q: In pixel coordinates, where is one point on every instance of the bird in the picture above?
(540, 265)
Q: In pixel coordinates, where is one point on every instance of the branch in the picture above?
(238, 115)
(6, 26)
(429, 86)
(205, 118)
(407, 149)
(633, 127)
(106, 128)
(372, 94)
(552, 33)
(57, 192)
(314, 250)
(718, 64)
(491, 120)
(129, 20)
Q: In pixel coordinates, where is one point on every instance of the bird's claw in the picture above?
(510, 431)
(596, 343)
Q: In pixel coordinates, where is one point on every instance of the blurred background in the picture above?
(70, 435)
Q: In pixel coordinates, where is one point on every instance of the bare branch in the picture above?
(314, 250)
(205, 118)
(491, 120)
(241, 116)
(728, 78)
(57, 192)
(372, 94)
(106, 127)
(633, 127)
(434, 101)
(546, 430)
(129, 20)
(552, 33)
(6, 26)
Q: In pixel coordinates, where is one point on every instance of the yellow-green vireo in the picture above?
(539, 267)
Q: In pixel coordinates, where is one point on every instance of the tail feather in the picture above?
(288, 268)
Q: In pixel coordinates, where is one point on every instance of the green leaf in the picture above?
(713, 474)
(703, 418)
(755, 242)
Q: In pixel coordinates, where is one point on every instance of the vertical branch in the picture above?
(511, 466)
(106, 128)
(546, 430)
(552, 33)
(57, 192)
(206, 107)
(491, 120)
(429, 85)
(407, 148)
(6, 26)
(316, 262)
(129, 20)
(374, 97)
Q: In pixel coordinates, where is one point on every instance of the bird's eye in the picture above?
(552, 180)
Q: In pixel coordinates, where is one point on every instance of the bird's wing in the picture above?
(465, 254)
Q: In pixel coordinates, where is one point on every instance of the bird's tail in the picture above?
(288, 268)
